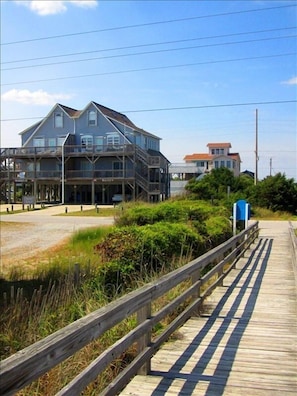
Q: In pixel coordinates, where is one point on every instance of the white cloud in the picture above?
(39, 97)
(51, 7)
(291, 81)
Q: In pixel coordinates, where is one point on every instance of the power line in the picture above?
(181, 108)
(150, 69)
(211, 106)
(150, 52)
(149, 24)
(149, 44)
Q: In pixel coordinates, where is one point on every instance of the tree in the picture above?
(216, 184)
(277, 193)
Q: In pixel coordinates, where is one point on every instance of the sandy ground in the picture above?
(26, 234)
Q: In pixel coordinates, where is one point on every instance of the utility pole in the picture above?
(256, 150)
(270, 166)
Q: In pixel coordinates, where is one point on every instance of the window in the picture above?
(200, 163)
(117, 165)
(61, 141)
(117, 169)
(58, 120)
(38, 142)
(113, 139)
(222, 164)
(85, 165)
(86, 169)
(87, 141)
(99, 143)
(92, 118)
(217, 151)
(229, 164)
(216, 163)
(52, 142)
(31, 167)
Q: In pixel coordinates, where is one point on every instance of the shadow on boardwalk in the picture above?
(257, 264)
(245, 341)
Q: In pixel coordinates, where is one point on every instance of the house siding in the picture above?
(112, 156)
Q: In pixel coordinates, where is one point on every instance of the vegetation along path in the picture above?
(245, 343)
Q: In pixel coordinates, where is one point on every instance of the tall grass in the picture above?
(24, 322)
(266, 214)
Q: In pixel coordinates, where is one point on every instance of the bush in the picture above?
(219, 230)
(169, 211)
(134, 251)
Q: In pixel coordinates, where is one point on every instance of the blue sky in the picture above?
(191, 72)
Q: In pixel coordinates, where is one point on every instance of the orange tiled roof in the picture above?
(206, 157)
(193, 157)
(219, 145)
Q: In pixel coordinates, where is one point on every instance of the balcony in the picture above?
(23, 152)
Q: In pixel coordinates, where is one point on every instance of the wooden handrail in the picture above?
(25, 366)
(293, 240)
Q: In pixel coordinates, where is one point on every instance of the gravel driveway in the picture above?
(25, 234)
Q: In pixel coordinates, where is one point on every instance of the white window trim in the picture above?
(57, 116)
(90, 119)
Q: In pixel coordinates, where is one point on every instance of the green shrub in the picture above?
(179, 211)
(172, 212)
(219, 229)
(134, 251)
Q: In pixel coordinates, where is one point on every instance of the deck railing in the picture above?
(68, 150)
(293, 240)
(27, 365)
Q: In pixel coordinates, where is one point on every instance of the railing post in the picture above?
(221, 270)
(195, 278)
(143, 314)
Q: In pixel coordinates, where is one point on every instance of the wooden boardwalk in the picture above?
(245, 342)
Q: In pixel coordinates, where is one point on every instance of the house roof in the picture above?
(196, 157)
(36, 125)
(209, 157)
(219, 145)
(112, 116)
(115, 115)
(122, 118)
(73, 113)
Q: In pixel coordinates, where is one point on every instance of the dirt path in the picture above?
(25, 235)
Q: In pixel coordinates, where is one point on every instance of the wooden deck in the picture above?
(245, 342)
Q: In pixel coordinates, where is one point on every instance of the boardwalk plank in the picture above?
(245, 342)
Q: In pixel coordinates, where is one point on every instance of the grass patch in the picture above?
(266, 214)
(10, 212)
(99, 212)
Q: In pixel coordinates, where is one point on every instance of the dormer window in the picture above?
(217, 151)
(92, 118)
(58, 120)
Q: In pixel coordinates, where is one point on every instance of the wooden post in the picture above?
(221, 270)
(76, 274)
(195, 278)
(145, 340)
